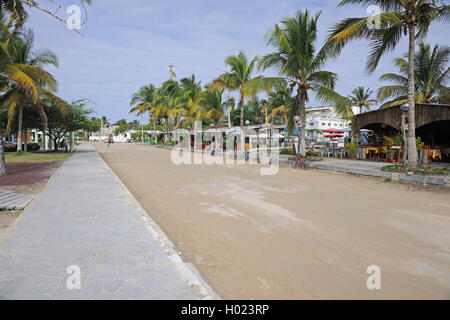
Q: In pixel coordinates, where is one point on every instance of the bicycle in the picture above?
(300, 162)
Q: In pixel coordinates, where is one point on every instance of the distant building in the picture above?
(323, 118)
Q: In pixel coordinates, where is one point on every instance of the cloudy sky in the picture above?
(129, 43)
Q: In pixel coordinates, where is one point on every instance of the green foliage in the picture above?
(248, 115)
(296, 58)
(286, 151)
(74, 117)
(431, 77)
(125, 126)
(426, 170)
(351, 147)
(310, 153)
(398, 140)
(138, 135)
(361, 98)
(419, 144)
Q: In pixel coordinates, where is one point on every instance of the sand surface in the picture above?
(296, 235)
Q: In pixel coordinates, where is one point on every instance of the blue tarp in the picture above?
(294, 132)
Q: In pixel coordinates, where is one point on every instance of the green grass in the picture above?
(15, 157)
(422, 171)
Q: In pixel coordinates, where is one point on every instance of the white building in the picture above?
(323, 118)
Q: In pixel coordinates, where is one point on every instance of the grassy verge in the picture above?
(15, 157)
(423, 171)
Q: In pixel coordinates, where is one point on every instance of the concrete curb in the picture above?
(433, 180)
(187, 271)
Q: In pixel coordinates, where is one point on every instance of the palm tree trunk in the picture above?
(25, 140)
(241, 105)
(303, 125)
(19, 131)
(2, 156)
(412, 148)
(167, 131)
(297, 102)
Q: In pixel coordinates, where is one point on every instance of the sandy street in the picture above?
(296, 235)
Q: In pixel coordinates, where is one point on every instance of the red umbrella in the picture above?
(333, 136)
(333, 131)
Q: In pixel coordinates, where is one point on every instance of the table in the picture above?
(435, 154)
(371, 151)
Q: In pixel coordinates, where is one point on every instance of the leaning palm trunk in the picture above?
(412, 148)
(2, 156)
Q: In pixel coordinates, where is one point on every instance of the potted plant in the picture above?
(351, 148)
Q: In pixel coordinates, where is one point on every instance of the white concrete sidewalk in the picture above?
(85, 218)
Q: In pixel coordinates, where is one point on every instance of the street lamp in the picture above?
(404, 108)
(243, 136)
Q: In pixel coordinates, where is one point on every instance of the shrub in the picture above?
(285, 151)
(422, 171)
(351, 147)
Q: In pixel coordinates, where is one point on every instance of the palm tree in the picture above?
(191, 98)
(22, 57)
(408, 17)
(213, 106)
(239, 78)
(296, 59)
(430, 77)
(167, 106)
(142, 100)
(15, 9)
(361, 98)
(22, 75)
(280, 101)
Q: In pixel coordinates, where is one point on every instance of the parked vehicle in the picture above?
(9, 147)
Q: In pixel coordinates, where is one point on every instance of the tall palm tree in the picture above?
(431, 75)
(8, 32)
(297, 60)
(239, 78)
(22, 74)
(361, 98)
(402, 17)
(22, 56)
